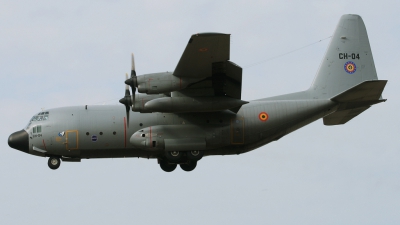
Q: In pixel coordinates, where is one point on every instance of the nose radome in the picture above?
(19, 140)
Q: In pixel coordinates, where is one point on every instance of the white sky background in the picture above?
(77, 52)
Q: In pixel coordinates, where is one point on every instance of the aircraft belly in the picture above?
(118, 153)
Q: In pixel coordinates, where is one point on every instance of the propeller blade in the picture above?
(133, 70)
(127, 86)
(127, 100)
(132, 81)
(127, 115)
(133, 101)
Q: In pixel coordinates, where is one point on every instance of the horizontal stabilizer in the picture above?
(355, 101)
(366, 91)
(344, 116)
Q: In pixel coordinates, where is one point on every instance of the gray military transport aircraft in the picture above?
(197, 110)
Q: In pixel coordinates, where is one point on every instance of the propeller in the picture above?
(132, 81)
(127, 100)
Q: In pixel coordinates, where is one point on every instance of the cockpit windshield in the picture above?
(42, 116)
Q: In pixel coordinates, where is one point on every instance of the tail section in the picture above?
(347, 62)
(355, 101)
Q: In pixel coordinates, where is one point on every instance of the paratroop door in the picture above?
(71, 139)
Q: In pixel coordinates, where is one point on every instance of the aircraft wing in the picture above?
(203, 81)
(207, 57)
(201, 52)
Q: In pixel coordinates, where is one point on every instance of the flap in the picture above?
(225, 81)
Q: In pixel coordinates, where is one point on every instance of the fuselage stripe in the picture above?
(44, 144)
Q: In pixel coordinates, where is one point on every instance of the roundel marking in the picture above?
(94, 138)
(350, 67)
(263, 116)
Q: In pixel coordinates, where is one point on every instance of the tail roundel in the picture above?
(347, 62)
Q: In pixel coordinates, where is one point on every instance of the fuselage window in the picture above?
(39, 129)
(34, 129)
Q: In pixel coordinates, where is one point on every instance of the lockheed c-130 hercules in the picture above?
(197, 109)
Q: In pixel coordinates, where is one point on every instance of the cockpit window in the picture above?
(41, 116)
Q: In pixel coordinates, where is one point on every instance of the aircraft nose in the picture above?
(19, 140)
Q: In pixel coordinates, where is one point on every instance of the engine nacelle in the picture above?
(142, 99)
(157, 83)
(191, 104)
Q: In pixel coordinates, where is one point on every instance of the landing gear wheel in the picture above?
(166, 166)
(174, 156)
(189, 166)
(195, 155)
(54, 163)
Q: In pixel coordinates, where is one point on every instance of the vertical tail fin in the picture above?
(347, 62)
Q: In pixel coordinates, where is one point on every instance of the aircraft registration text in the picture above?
(349, 56)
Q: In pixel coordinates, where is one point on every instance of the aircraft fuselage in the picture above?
(103, 132)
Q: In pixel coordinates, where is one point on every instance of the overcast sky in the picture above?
(62, 53)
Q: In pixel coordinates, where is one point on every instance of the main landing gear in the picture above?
(187, 160)
(54, 162)
(189, 166)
